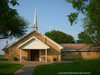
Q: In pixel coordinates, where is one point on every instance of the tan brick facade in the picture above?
(81, 55)
(52, 54)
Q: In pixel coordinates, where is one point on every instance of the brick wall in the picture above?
(14, 51)
(81, 55)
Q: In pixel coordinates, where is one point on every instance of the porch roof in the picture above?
(33, 43)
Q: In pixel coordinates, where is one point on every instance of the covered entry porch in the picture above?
(35, 49)
(37, 55)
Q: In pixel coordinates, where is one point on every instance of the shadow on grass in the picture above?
(9, 68)
(2, 58)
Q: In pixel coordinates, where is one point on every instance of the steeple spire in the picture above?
(35, 28)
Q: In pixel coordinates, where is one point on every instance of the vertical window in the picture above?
(88, 53)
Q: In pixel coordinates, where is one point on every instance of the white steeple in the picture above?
(35, 28)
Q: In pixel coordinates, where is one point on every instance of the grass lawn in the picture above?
(79, 66)
(9, 68)
(2, 58)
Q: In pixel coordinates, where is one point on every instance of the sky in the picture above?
(51, 15)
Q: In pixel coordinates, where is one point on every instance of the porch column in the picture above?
(20, 55)
(45, 55)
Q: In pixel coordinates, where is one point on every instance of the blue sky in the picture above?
(51, 15)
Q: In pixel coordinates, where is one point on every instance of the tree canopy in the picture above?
(84, 38)
(60, 37)
(11, 24)
(91, 21)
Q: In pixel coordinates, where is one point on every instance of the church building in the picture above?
(37, 47)
(34, 47)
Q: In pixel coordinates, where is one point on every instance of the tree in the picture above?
(60, 37)
(11, 24)
(91, 21)
(84, 38)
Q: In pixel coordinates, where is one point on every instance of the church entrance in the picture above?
(34, 55)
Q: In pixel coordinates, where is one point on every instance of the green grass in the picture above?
(2, 58)
(78, 66)
(9, 68)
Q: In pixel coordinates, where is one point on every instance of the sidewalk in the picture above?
(28, 67)
(25, 70)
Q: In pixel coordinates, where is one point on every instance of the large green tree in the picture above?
(11, 24)
(91, 21)
(60, 37)
(84, 38)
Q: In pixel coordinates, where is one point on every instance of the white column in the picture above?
(45, 55)
(20, 56)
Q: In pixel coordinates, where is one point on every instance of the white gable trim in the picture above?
(37, 45)
(59, 46)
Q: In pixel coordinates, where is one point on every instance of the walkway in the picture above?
(26, 70)
(29, 66)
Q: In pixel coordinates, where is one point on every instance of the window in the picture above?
(63, 53)
(88, 53)
(98, 53)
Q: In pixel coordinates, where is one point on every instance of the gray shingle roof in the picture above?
(79, 47)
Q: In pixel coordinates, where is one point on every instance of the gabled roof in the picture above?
(79, 47)
(9, 45)
(6, 47)
(33, 43)
(59, 46)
